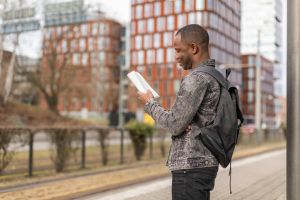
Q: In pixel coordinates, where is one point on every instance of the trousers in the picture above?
(193, 184)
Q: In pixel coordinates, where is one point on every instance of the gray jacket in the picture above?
(195, 105)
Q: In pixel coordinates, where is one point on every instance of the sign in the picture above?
(18, 14)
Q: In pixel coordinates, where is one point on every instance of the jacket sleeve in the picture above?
(188, 100)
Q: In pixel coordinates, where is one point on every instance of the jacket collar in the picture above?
(208, 62)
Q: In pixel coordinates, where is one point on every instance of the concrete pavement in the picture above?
(261, 177)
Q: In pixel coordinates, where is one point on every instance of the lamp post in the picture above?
(258, 92)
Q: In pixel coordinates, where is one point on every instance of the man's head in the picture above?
(191, 45)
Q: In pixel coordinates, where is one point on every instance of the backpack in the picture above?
(221, 136)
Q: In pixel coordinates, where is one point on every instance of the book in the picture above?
(140, 83)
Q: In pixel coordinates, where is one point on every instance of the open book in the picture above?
(140, 83)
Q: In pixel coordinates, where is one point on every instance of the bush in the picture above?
(139, 132)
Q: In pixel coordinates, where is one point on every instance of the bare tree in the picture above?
(56, 74)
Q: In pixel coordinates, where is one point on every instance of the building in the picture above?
(22, 89)
(153, 24)
(280, 110)
(263, 30)
(88, 45)
(267, 91)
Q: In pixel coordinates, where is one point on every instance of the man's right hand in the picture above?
(187, 129)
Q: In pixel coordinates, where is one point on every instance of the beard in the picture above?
(187, 63)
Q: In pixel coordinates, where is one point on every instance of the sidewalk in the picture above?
(80, 186)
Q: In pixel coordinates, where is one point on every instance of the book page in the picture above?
(140, 83)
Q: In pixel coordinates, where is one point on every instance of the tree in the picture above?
(56, 73)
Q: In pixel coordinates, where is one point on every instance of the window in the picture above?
(73, 45)
(138, 11)
(209, 4)
(133, 28)
(176, 85)
(170, 71)
(199, 18)
(134, 58)
(167, 39)
(150, 25)
(168, 7)
(64, 46)
(192, 18)
(147, 41)
(100, 43)
(160, 56)
(170, 22)
(84, 59)
(157, 8)
(82, 44)
(199, 4)
(250, 97)
(141, 26)
(170, 55)
(156, 40)
(83, 102)
(138, 42)
(250, 85)
(140, 57)
(178, 6)
(76, 59)
(189, 5)
(101, 57)
(250, 72)
(76, 31)
(149, 71)
(148, 10)
(83, 30)
(107, 42)
(181, 20)
(160, 24)
(251, 61)
(94, 58)
(91, 44)
(150, 56)
(103, 28)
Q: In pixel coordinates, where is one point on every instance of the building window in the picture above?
(150, 25)
(150, 56)
(101, 57)
(140, 57)
(160, 25)
(157, 8)
(73, 45)
(170, 24)
(64, 46)
(138, 11)
(82, 44)
(94, 58)
(160, 55)
(192, 18)
(100, 43)
(250, 72)
(141, 26)
(170, 55)
(181, 20)
(250, 61)
(199, 4)
(133, 28)
(167, 39)
(148, 10)
(168, 5)
(250, 85)
(91, 44)
(84, 59)
(76, 59)
(189, 5)
(138, 42)
(147, 41)
(178, 6)
(149, 71)
(103, 29)
(250, 97)
(157, 40)
(170, 70)
(83, 30)
(209, 5)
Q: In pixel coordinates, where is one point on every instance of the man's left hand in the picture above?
(145, 97)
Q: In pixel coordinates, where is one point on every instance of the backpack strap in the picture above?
(214, 73)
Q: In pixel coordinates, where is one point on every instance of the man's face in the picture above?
(183, 55)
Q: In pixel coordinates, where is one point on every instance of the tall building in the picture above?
(153, 24)
(262, 28)
(88, 44)
(267, 91)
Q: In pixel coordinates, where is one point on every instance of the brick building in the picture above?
(90, 46)
(267, 91)
(153, 24)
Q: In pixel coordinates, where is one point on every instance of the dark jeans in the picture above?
(193, 184)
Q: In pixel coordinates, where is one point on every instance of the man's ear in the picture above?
(195, 48)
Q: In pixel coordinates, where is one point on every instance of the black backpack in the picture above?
(221, 136)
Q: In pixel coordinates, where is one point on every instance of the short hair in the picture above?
(194, 33)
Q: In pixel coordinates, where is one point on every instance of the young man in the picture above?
(193, 166)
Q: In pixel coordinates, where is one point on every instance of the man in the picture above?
(193, 166)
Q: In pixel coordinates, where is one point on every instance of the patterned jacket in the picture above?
(195, 105)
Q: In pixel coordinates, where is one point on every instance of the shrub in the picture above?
(139, 132)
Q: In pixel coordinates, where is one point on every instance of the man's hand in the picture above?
(187, 129)
(145, 97)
